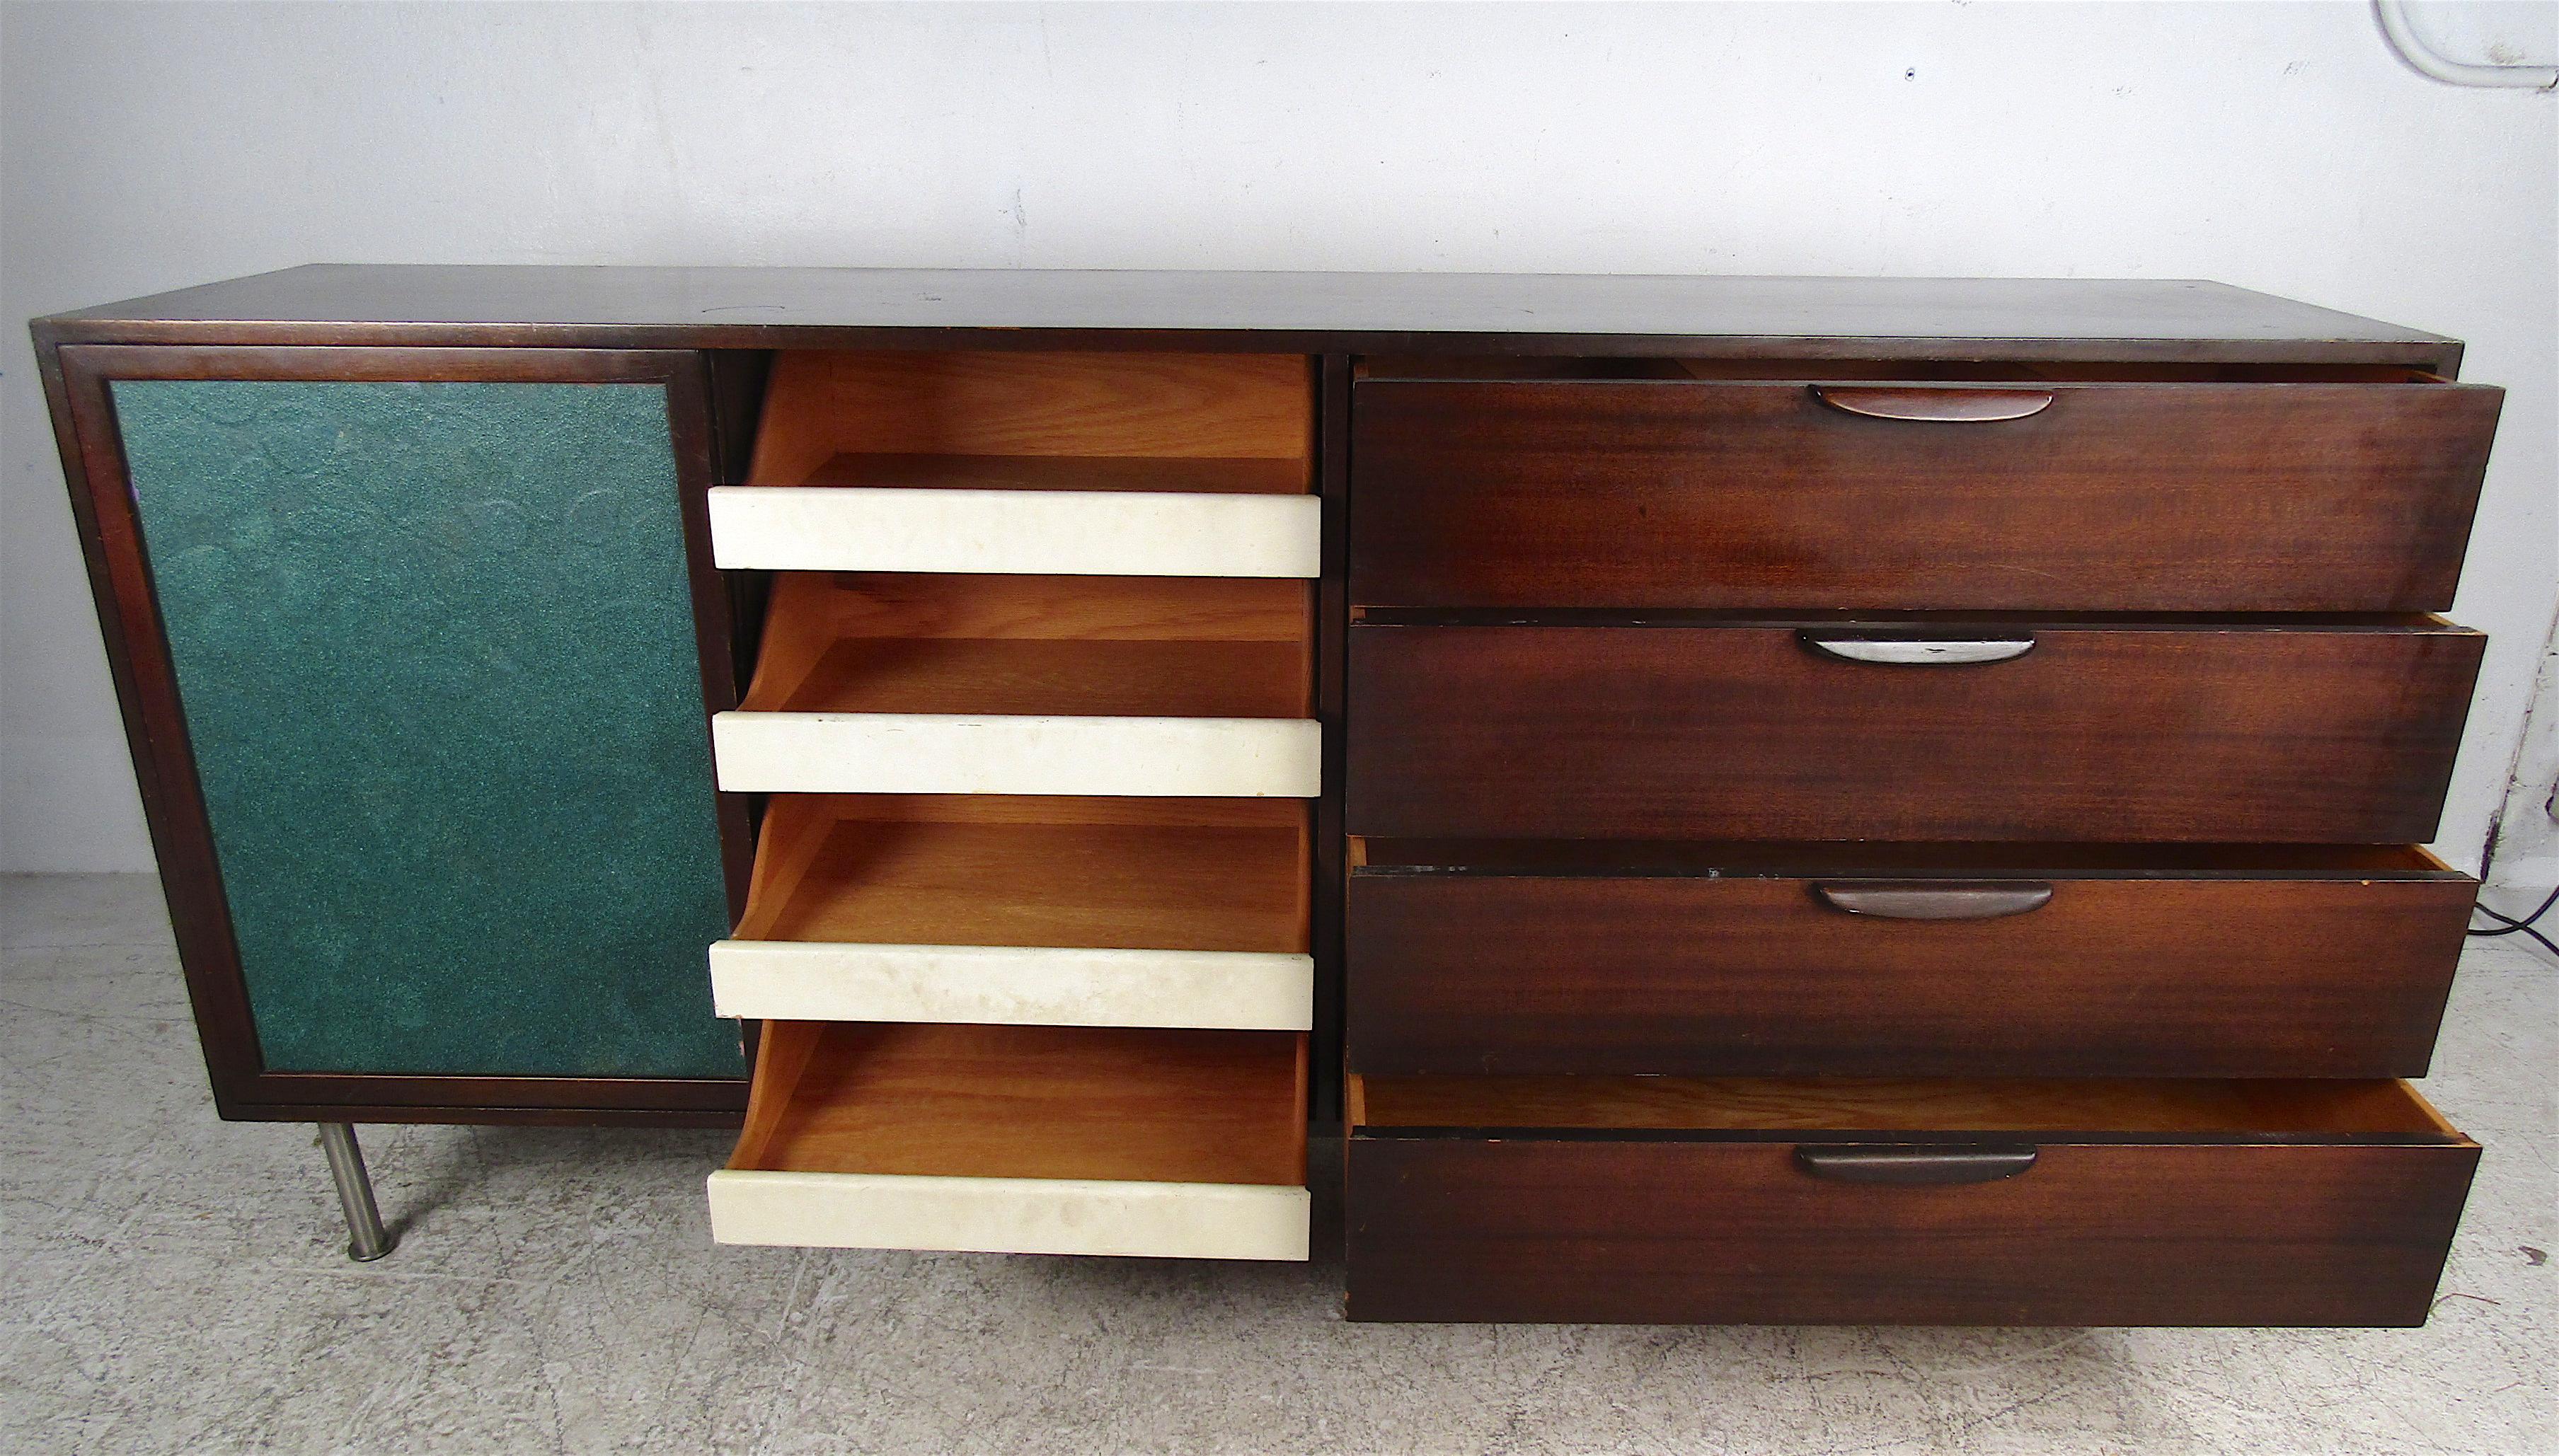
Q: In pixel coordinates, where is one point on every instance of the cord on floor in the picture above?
(2508, 925)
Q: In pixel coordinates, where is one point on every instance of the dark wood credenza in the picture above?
(1747, 800)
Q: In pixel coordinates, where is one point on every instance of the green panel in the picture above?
(435, 646)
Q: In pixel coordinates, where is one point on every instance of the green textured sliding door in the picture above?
(436, 650)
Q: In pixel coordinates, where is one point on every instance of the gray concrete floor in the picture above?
(170, 1282)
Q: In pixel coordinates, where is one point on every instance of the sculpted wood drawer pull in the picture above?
(1932, 405)
(1909, 1165)
(1937, 899)
(1900, 652)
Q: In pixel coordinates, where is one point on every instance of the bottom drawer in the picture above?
(1749, 1200)
(1022, 1139)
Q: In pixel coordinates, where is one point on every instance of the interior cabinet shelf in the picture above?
(1025, 1139)
(1028, 930)
(1031, 1101)
(1082, 464)
(1080, 911)
(1110, 873)
(1215, 475)
(928, 683)
(1022, 645)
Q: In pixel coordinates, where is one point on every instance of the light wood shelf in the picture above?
(1136, 647)
(1156, 874)
(1217, 476)
(1216, 422)
(1029, 1101)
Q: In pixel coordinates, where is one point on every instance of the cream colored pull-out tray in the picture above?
(1038, 532)
(1036, 985)
(1048, 910)
(936, 753)
(1168, 1144)
(888, 684)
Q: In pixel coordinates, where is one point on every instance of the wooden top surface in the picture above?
(752, 308)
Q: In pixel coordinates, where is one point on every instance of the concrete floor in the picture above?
(170, 1282)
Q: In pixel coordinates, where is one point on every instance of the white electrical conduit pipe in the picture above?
(2413, 50)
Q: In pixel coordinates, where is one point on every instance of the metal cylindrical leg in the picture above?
(365, 1239)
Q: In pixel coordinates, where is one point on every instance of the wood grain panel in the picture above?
(1029, 1101)
(894, 643)
(1158, 874)
(1855, 1106)
(2165, 975)
(1144, 474)
(2308, 733)
(2117, 497)
(821, 404)
(1009, 309)
(1077, 686)
(1028, 1140)
(1728, 1232)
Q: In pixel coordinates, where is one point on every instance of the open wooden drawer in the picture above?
(1107, 464)
(1840, 1201)
(892, 683)
(1019, 1139)
(1064, 912)
(1926, 959)
(2280, 728)
(1768, 484)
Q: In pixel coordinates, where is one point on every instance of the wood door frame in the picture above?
(77, 380)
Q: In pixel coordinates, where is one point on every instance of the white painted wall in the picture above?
(2275, 146)
(2527, 842)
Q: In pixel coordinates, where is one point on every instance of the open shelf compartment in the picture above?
(1022, 1139)
(886, 683)
(1043, 463)
(1143, 646)
(1067, 912)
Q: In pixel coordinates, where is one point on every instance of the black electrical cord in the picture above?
(2508, 925)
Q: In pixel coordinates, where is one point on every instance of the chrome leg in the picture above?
(365, 1241)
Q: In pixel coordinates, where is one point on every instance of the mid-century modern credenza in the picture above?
(1746, 799)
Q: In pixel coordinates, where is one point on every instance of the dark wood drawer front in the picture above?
(1522, 1227)
(2113, 496)
(2301, 734)
(1736, 972)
